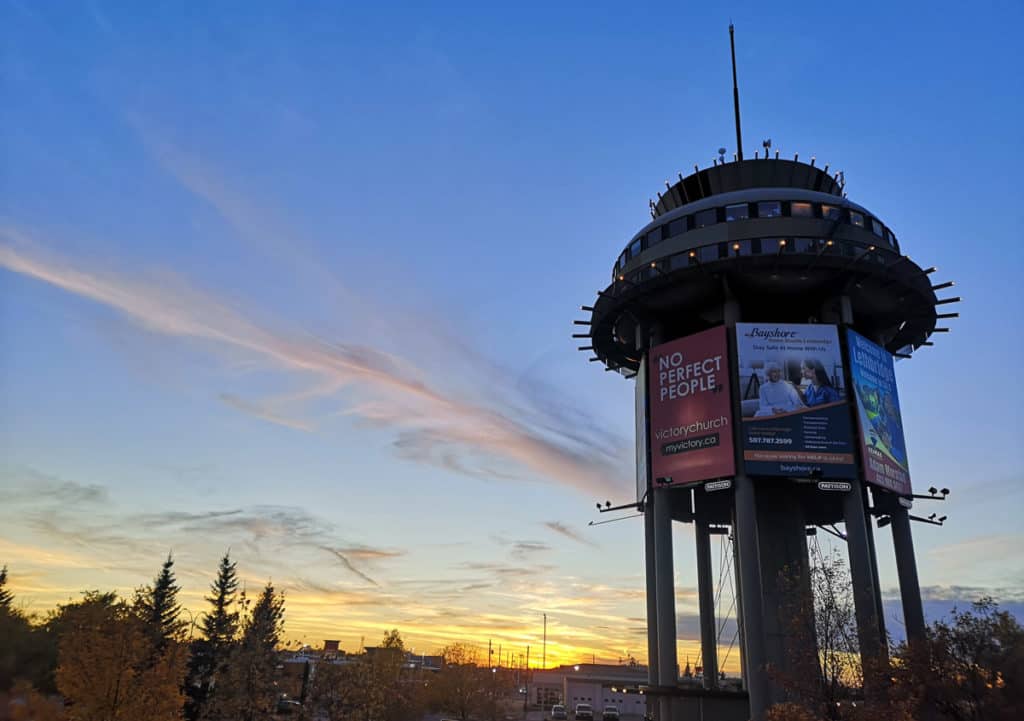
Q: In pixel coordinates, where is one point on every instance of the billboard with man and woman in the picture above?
(793, 397)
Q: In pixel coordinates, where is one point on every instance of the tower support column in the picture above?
(906, 568)
(749, 579)
(706, 597)
(668, 674)
(652, 590)
(863, 580)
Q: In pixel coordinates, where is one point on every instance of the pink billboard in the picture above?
(691, 409)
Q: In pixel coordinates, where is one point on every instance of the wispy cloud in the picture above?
(564, 530)
(261, 411)
(349, 565)
(433, 425)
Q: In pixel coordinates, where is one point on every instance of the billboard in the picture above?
(691, 408)
(878, 414)
(642, 476)
(796, 421)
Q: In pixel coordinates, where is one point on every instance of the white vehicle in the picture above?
(584, 712)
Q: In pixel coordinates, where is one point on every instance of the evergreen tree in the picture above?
(220, 625)
(220, 629)
(159, 608)
(264, 627)
(5, 594)
(247, 690)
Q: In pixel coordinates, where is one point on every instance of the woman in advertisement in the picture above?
(820, 391)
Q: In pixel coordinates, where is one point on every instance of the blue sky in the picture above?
(299, 281)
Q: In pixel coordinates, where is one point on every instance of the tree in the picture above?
(6, 598)
(835, 625)
(336, 692)
(26, 653)
(110, 669)
(159, 607)
(970, 668)
(393, 639)
(246, 690)
(27, 704)
(459, 686)
(220, 628)
(220, 625)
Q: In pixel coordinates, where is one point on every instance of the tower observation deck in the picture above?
(780, 237)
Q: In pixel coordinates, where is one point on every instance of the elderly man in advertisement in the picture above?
(820, 389)
(777, 395)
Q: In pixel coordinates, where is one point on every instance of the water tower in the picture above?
(759, 312)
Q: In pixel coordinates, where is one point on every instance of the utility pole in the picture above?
(544, 652)
(526, 698)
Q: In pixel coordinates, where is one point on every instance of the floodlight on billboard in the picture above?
(796, 421)
(882, 446)
(690, 409)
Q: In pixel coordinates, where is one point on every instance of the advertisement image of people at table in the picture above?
(793, 401)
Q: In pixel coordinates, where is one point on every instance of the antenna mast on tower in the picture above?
(735, 95)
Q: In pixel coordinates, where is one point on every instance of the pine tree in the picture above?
(210, 654)
(159, 607)
(247, 691)
(220, 626)
(6, 598)
(263, 628)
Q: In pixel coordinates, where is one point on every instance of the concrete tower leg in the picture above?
(668, 674)
(906, 568)
(786, 583)
(879, 608)
(749, 578)
(706, 598)
(739, 605)
(652, 591)
(643, 341)
(863, 580)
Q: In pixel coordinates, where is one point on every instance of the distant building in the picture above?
(597, 684)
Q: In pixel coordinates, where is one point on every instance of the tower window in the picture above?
(635, 247)
(739, 211)
(876, 227)
(831, 212)
(655, 236)
(678, 226)
(769, 209)
(856, 218)
(706, 217)
(801, 210)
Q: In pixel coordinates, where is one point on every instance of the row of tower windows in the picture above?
(757, 246)
(745, 211)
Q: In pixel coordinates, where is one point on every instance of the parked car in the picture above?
(611, 713)
(584, 712)
(558, 713)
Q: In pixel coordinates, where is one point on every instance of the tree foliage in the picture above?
(220, 629)
(465, 689)
(27, 652)
(159, 607)
(220, 624)
(968, 668)
(246, 690)
(109, 667)
(6, 598)
(374, 685)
